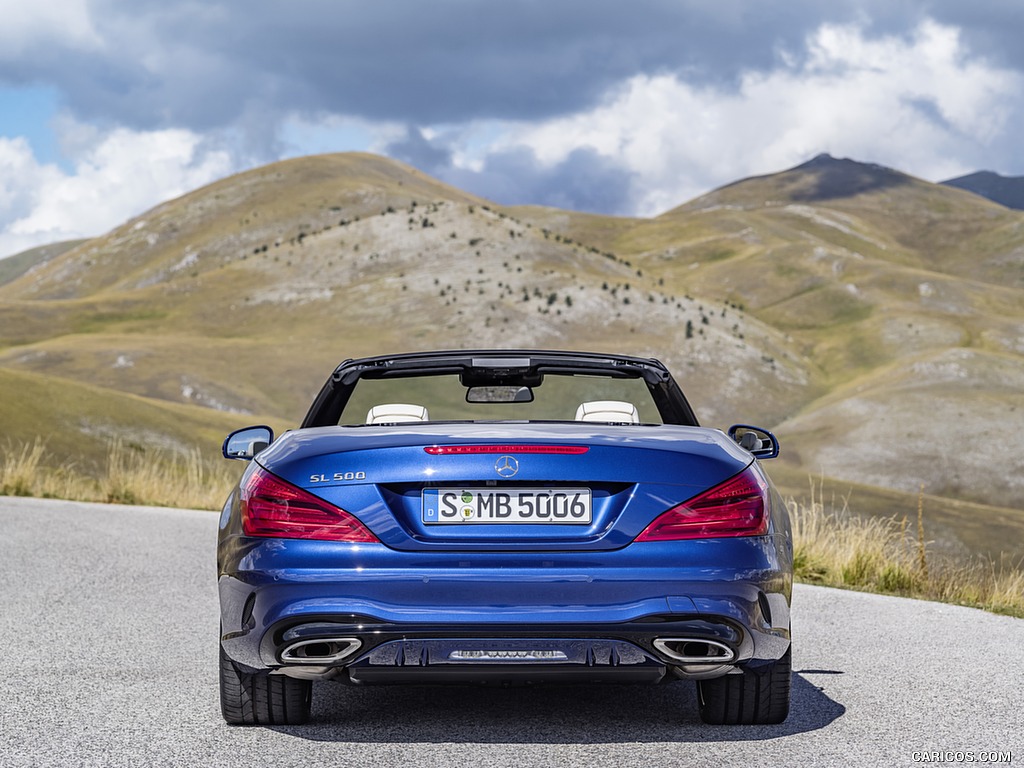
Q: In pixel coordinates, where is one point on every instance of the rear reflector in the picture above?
(273, 507)
(737, 507)
(462, 450)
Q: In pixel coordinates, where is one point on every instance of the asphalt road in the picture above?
(108, 657)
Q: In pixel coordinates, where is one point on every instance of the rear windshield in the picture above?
(558, 397)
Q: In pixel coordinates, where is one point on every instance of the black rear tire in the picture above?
(760, 696)
(252, 698)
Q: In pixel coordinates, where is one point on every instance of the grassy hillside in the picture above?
(75, 440)
(1005, 190)
(17, 265)
(873, 319)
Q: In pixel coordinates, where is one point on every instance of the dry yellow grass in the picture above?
(834, 547)
(135, 476)
(23, 472)
(132, 476)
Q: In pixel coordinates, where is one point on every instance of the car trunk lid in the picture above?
(505, 485)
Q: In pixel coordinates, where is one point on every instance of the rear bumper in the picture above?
(509, 617)
(362, 652)
(414, 617)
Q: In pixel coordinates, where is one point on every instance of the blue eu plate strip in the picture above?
(430, 505)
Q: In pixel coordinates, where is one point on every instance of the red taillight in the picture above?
(462, 450)
(272, 507)
(737, 507)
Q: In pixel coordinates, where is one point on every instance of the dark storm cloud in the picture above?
(992, 29)
(207, 65)
(416, 150)
(583, 181)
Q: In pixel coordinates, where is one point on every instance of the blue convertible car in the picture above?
(504, 517)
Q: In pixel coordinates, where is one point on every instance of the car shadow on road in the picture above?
(544, 715)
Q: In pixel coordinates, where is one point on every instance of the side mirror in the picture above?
(244, 444)
(760, 442)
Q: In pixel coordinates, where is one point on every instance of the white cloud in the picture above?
(914, 103)
(116, 175)
(306, 135)
(27, 25)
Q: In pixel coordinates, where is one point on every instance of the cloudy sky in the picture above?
(108, 107)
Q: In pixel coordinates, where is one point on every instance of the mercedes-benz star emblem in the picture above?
(506, 466)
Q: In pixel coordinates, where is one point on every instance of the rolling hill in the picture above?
(875, 320)
(15, 266)
(1005, 190)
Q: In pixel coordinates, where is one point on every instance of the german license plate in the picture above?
(462, 506)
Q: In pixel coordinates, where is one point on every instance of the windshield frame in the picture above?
(499, 367)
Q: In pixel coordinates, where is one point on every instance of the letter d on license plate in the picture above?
(460, 506)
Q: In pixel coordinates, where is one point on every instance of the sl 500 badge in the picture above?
(337, 477)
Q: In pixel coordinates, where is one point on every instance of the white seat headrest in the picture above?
(608, 410)
(390, 413)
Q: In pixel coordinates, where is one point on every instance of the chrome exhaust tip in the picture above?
(694, 650)
(322, 650)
